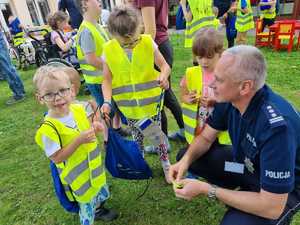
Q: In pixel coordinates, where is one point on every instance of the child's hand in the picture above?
(98, 126)
(105, 111)
(163, 82)
(87, 136)
(191, 97)
(207, 102)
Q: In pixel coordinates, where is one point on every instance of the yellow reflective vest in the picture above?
(203, 16)
(244, 21)
(268, 13)
(190, 111)
(82, 173)
(91, 74)
(135, 87)
(19, 39)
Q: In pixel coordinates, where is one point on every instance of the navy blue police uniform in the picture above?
(265, 153)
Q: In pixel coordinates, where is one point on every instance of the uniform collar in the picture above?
(255, 103)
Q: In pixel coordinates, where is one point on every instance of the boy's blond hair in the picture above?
(74, 77)
(48, 73)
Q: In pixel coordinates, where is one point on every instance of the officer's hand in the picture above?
(87, 136)
(192, 97)
(177, 170)
(191, 189)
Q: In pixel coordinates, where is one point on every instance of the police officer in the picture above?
(258, 177)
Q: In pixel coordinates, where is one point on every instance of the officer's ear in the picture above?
(246, 87)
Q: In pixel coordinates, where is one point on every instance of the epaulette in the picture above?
(274, 116)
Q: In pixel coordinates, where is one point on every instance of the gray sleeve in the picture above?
(86, 42)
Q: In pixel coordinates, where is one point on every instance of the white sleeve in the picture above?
(50, 146)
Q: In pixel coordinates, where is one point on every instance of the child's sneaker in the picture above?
(105, 214)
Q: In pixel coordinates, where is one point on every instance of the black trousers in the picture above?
(170, 100)
(211, 167)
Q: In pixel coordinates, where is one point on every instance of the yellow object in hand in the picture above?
(177, 185)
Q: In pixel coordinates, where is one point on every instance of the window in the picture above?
(33, 12)
(44, 9)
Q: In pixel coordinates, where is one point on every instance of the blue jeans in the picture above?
(9, 71)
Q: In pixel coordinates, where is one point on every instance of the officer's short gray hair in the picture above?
(249, 64)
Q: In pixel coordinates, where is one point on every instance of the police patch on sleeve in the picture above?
(274, 116)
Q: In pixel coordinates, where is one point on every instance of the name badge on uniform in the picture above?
(234, 167)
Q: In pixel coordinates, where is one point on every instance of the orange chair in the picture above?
(284, 33)
(262, 38)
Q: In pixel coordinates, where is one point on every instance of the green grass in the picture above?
(27, 195)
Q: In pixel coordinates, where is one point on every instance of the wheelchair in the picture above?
(21, 51)
(48, 54)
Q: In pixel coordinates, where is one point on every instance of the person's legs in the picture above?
(94, 210)
(9, 72)
(210, 166)
(170, 100)
(241, 38)
(137, 136)
(237, 217)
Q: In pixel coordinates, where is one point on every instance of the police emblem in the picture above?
(249, 165)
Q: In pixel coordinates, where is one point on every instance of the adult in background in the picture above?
(10, 74)
(259, 176)
(71, 7)
(155, 18)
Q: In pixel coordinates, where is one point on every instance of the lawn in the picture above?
(27, 195)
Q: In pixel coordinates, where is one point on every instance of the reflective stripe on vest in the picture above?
(134, 82)
(202, 17)
(91, 74)
(82, 173)
(244, 22)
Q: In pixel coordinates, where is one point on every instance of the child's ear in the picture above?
(73, 91)
(39, 98)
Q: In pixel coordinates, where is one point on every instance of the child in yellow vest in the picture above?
(129, 74)
(69, 140)
(196, 95)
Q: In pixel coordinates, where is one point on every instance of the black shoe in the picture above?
(105, 214)
(124, 132)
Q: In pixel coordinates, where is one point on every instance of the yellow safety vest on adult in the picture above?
(83, 172)
(91, 74)
(244, 21)
(19, 39)
(135, 87)
(268, 13)
(190, 111)
(203, 16)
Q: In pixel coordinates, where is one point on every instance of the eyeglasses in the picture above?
(131, 44)
(51, 96)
